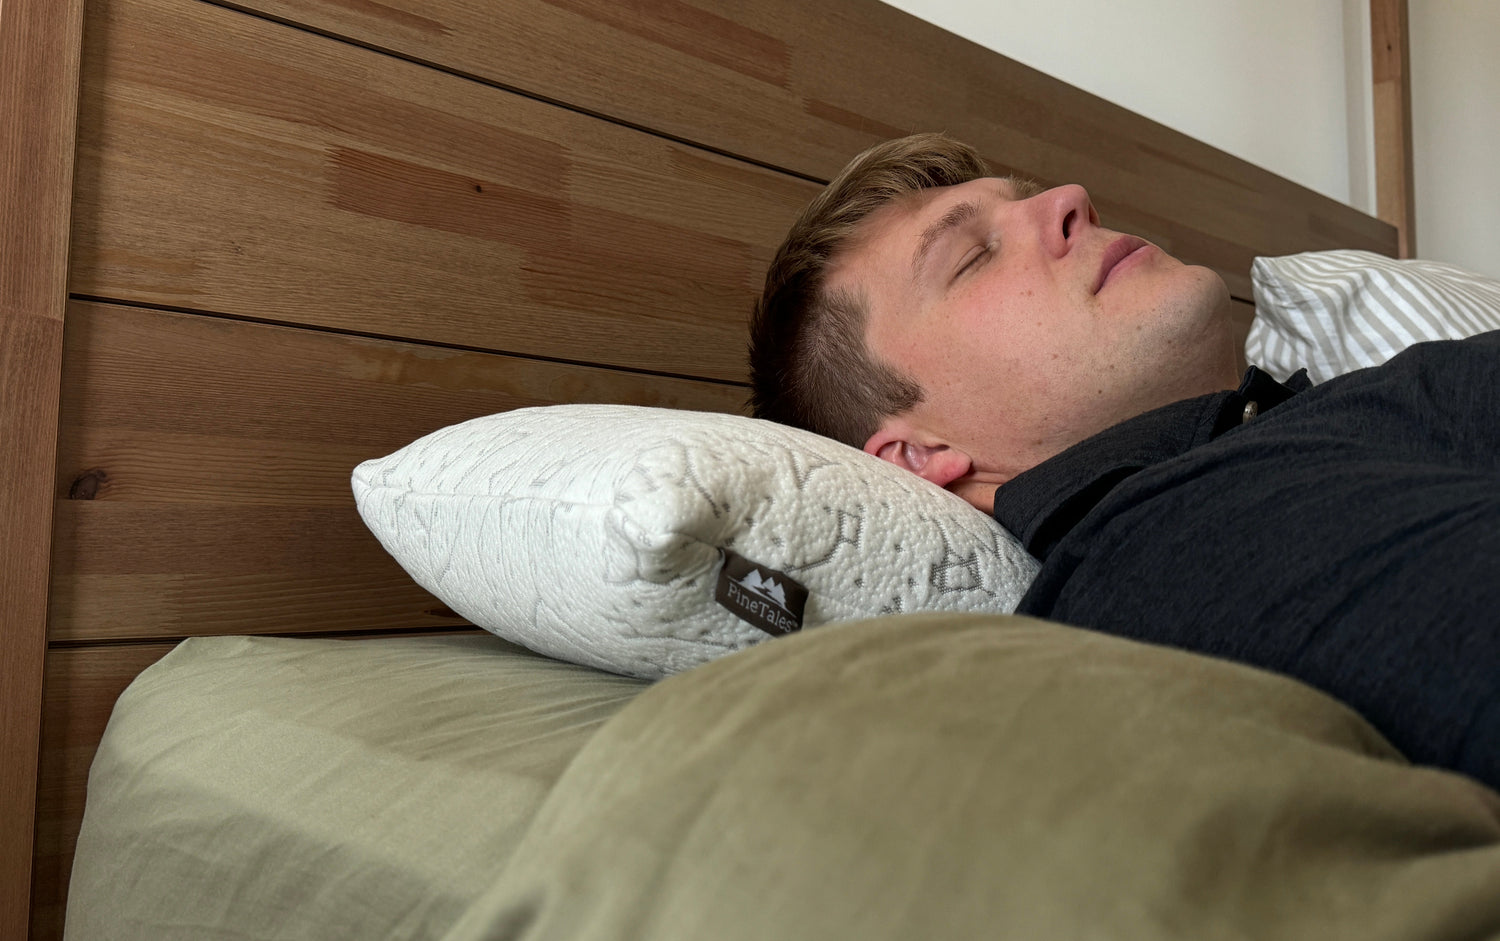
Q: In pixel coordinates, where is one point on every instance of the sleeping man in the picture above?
(1082, 386)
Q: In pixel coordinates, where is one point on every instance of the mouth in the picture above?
(1118, 250)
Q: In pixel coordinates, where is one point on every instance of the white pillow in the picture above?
(1334, 312)
(607, 534)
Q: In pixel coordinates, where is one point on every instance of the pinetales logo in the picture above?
(765, 587)
(764, 597)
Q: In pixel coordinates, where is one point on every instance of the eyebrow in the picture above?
(956, 216)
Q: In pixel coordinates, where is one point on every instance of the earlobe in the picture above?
(902, 445)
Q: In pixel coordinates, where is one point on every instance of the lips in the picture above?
(1118, 250)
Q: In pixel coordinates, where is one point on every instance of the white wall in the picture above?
(1284, 84)
(1253, 77)
(1456, 131)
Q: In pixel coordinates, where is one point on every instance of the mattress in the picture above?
(272, 788)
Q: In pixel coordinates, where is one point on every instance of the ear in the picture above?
(906, 445)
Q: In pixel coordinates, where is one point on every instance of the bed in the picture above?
(254, 244)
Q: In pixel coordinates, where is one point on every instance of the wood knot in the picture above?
(88, 484)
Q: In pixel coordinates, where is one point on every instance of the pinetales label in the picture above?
(770, 600)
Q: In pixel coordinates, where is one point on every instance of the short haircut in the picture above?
(809, 364)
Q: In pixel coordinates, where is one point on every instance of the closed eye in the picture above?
(973, 260)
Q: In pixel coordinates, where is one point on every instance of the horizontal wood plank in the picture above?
(203, 467)
(805, 86)
(235, 165)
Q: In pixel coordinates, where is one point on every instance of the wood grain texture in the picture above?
(828, 79)
(203, 468)
(39, 51)
(1395, 189)
(274, 174)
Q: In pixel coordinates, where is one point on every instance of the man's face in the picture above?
(1027, 325)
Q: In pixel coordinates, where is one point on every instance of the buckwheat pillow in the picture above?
(646, 541)
(1334, 312)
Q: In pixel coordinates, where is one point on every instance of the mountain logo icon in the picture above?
(765, 587)
(759, 595)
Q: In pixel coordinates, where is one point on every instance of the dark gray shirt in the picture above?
(1346, 534)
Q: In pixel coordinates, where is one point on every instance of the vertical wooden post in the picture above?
(39, 58)
(1390, 53)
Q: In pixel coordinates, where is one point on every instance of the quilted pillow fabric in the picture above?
(646, 541)
(1334, 312)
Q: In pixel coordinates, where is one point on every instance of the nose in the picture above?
(1067, 214)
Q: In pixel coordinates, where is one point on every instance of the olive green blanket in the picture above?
(922, 777)
(936, 777)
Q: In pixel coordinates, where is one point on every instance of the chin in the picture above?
(1200, 310)
(1194, 340)
(1211, 294)
(1214, 347)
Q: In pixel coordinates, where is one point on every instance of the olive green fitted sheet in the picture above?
(256, 788)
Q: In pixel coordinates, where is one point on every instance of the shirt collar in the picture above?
(1041, 505)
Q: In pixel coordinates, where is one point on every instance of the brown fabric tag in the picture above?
(770, 600)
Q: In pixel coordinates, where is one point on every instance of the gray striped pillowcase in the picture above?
(1333, 312)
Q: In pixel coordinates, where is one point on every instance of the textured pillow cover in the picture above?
(607, 535)
(1334, 312)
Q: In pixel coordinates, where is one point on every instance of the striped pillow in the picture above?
(1334, 312)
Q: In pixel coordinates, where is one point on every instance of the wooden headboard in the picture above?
(250, 244)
